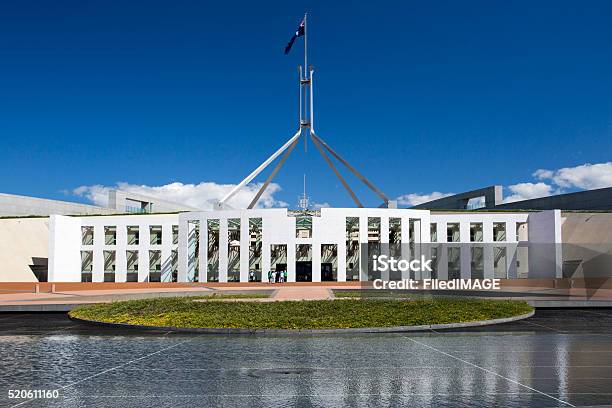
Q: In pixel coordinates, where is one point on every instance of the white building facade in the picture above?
(333, 244)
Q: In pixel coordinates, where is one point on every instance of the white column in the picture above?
(364, 258)
(511, 271)
(143, 254)
(244, 249)
(223, 241)
(442, 251)
(316, 261)
(290, 261)
(120, 255)
(98, 254)
(342, 260)
(166, 252)
(203, 251)
(417, 244)
(405, 244)
(466, 253)
(384, 243)
(182, 250)
(487, 236)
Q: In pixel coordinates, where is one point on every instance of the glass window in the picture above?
(352, 248)
(395, 237)
(155, 231)
(154, 266)
(454, 263)
(174, 266)
(452, 233)
(110, 235)
(87, 235)
(434, 263)
(109, 266)
(86, 266)
(374, 248)
(132, 266)
(477, 262)
(175, 234)
(86, 261)
(109, 261)
(329, 262)
(213, 250)
(499, 231)
(193, 250)
(499, 263)
(433, 232)
(522, 231)
(233, 250)
(255, 245)
(133, 235)
(476, 232)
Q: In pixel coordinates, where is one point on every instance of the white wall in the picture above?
(66, 246)
(64, 249)
(279, 229)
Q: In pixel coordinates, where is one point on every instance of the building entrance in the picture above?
(303, 271)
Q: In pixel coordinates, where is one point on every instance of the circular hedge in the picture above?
(183, 312)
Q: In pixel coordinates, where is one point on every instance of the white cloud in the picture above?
(526, 191)
(318, 206)
(587, 176)
(201, 196)
(416, 199)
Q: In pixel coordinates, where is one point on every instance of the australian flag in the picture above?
(298, 33)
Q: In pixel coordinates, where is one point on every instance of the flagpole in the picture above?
(306, 43)
(306, 74)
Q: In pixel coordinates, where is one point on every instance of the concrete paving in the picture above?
(71, 295)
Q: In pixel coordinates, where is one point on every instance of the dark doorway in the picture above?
(327, 272)
(303, 271)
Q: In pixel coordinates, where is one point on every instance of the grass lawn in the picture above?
(374, 293)
(316, 314)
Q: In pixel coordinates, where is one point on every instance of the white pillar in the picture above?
(120, 255)
(290, 261)
(223, 255)
(182, 250)
(405, 244)
(364, 258)
(244, 249)
(342, 260)
(384, 243)
(466, 253)
(487, 236)
(316, 261)
(511, 272)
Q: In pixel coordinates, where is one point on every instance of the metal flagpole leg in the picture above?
(352, 169)
(311, 71)
(271, 176)
(328, 160)
(260, 168)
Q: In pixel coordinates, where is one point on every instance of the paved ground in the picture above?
(69, 294)
(557, 358)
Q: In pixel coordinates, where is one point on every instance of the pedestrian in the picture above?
(269, 276)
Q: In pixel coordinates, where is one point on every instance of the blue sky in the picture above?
(422, 97)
